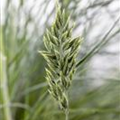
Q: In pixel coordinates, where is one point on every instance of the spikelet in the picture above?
(61, 52)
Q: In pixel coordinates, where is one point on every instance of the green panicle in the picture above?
(61, 52)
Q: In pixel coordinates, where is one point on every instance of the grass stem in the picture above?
(4, 83)
(4, 91)
(67, 114)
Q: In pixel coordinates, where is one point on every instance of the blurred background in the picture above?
(94, 94)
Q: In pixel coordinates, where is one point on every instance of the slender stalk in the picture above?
(26, 102)
(3, 82)
(67, 109)
(67, 114)
(5, 94)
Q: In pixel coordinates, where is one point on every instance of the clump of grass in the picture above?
(61, 52)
